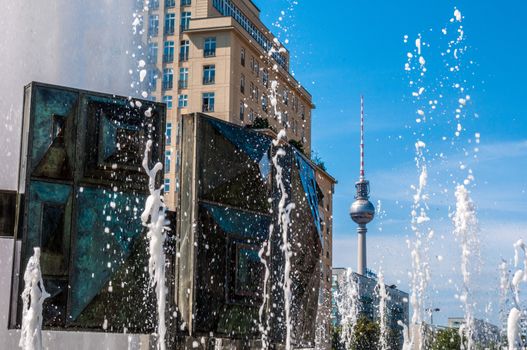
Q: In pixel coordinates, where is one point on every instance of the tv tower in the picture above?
(362, 210)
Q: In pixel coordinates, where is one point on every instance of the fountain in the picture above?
(33, 297)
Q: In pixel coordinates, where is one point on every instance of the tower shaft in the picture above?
(361, 256)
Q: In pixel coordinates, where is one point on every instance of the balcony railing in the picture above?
(208, 80)
(167, 85)
(209, 53)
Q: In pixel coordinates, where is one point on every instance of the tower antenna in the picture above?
(361, 138)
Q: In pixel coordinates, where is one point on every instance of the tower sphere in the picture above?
(362, 211)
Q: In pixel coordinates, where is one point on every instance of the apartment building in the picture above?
(214, 56)
(218, 58)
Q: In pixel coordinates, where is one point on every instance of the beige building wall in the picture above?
(327, 186)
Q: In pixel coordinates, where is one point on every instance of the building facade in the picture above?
(217, 57)
(368, 299)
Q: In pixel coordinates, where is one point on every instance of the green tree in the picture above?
(446, 339)
(365, 335)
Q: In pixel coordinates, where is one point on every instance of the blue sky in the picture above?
(349, 48)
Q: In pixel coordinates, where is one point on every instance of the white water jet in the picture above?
(33, 297)
(407, 339)
(284, 213)
(383, 312)
(347, 301)
(513, 329)
(153, 217)
(513, 320)
(466, 231)
(420, 276)
(263, 325)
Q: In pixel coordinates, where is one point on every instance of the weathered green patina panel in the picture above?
(83, 189)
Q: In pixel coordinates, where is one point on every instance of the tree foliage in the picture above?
(446, 339)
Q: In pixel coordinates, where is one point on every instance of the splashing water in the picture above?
(408, 343)
(263, 325)
(153, 217)
(466, 230)
(420, 276)
(33, 298)
(383, 319)
(513, 320)
(284, 213)
(347, 300)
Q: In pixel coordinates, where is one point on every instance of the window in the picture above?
(286, 97)
(209, 74)
(185, 2)
(185, 20)
(252, 91)
(168, 101)
(170, 3)
(153, 4)
(242, 110)
(167, 185)
(256, 67)
(182, 101)
(183, 78)
(168, 52)
(167, 162)
(169, 133)
(168, 78)
(152, 79)
(242, 57)
(152, 53)
(208, 102)
(295, 104)
(265, 78)
(264, 103)
(153, 25)
(242, 84)
(256, 93)
(170, 23)
(303, 111)
(184, 49)
(209, 47)
(252, 64)
(251, 115)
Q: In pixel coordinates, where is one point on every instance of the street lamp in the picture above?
(431, 312)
